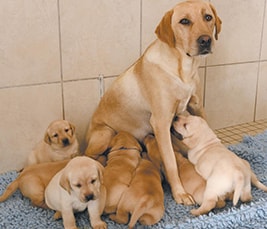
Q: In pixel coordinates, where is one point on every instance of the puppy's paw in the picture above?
(220, 203)
(200, 211)
(100, 225)
(195, 212)
(122, 219)
(185, 199)
(57, 215)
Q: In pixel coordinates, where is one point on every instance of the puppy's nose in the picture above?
(65, 142)
(204, 41)
(89, 197)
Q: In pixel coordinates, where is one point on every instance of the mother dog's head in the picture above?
(189, 27)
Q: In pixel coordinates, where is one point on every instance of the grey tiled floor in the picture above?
(234, 134)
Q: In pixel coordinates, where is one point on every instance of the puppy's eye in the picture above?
(55, 135)
(185, 21)
(93, 181)
(185, 125)
(67, 129)
(208, 17)
(78, 185)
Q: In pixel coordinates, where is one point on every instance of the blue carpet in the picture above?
(17, 212)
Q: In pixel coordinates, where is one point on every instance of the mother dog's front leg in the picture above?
(161, 127)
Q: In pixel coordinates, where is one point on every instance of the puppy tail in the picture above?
(257, 183)
(140, 210)
(11, 188)
(239, 185)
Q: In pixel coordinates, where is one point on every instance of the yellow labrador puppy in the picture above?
(123, 159)
(192, 182)
(223, 171)
(76, 187)
(144, 198)
(162, 83)
(33, 180)
(59, 143)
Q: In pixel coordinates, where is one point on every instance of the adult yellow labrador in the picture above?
(163, 83)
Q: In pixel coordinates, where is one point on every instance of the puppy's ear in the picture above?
(164, 30)
(72, 128)
(100, 170)
(65, 183)
(47, 138)
(218, 22)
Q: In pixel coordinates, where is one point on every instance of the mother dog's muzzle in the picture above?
(204, 44)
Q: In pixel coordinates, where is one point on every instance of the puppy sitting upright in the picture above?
(59, 143)
(76, 187)
(123, 159)
(144, 199)
(223, 171)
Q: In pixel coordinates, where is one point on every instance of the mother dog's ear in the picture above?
(164, 30)
(64, 182)
(218, 22)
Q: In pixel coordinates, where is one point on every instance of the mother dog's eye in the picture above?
(67, 129)
(185, 21)
(93, 181)
(208, 17)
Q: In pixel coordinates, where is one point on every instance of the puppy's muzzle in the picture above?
(176, 134)
(89, 197)
(204, 44)
(65, 142)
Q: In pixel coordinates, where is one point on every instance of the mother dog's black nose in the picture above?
(204, 41)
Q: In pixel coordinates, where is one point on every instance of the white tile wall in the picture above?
(52, 52)
(240, 38)
(230, 94)
(103, 37)
(261, 105)
(29, 42)
(80, 99)
(25, 114)
(264, 37)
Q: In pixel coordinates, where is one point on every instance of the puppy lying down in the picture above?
(223, 171)
(33, 180)
(193, 183)
(123, 159)
(144, 198)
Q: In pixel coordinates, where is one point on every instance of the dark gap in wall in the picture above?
(60, 59)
